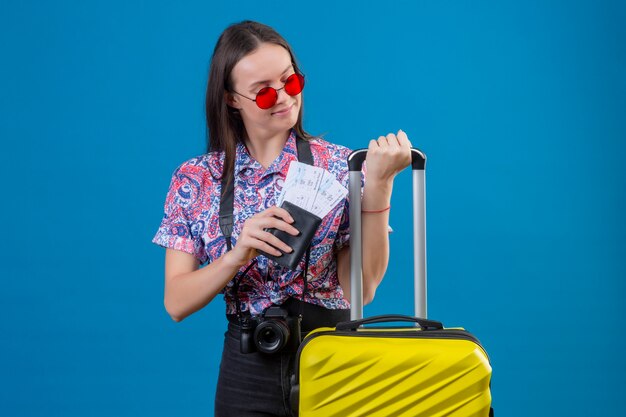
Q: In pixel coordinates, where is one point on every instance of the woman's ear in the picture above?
(231, 100)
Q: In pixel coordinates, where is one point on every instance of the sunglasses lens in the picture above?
(294, 84)
(266, 98)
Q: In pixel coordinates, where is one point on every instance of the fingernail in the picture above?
(289, 250)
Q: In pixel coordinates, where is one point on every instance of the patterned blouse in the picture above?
(191, 224)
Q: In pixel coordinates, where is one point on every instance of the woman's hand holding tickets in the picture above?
(253, 236)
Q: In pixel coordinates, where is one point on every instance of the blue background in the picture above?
(520, 107)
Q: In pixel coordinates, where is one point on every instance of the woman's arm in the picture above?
(188, 288)
(385, 158)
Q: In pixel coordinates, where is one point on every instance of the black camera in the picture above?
(273, 332)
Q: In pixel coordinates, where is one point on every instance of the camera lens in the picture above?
(271, 336)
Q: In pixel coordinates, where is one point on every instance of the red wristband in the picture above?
(376, 211)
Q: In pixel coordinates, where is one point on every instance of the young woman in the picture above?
(254, 111)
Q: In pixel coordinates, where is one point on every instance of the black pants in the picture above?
(257, 384)
(252, 384)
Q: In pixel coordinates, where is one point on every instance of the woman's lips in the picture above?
(283, 112)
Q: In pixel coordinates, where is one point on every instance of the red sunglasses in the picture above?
(267, 96)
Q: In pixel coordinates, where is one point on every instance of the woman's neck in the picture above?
(265, 149)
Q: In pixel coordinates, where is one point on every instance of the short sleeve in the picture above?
(179, 227)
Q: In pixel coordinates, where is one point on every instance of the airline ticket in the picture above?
(311, 188)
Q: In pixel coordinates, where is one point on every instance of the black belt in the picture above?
(313, 316)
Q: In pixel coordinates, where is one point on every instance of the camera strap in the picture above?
(227, 200)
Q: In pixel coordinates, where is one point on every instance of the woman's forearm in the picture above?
(376, 196)
(188, 292)
(188, 289)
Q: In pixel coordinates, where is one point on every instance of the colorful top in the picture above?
(191, 224)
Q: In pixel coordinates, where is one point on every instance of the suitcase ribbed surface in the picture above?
(393, 374)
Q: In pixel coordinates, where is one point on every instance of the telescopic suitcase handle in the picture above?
(390, 318)
(418, 163)
(357, 157)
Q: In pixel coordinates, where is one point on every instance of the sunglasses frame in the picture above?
(276, 90)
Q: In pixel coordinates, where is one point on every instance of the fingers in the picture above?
(391, 143)
(279, 212)
(399, 140)
(392, 140)
(275, 223)
(403, 139)
(269, 243)
(388, 155)
(261, 245)
(254, 234)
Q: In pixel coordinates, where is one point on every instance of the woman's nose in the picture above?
(281, 95)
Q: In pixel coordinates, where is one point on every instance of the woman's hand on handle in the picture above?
(387, 156)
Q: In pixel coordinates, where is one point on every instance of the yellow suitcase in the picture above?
(383, 372)
(409, 371)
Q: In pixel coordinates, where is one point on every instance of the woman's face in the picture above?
(267, 66)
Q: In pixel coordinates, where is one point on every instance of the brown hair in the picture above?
(225, 127)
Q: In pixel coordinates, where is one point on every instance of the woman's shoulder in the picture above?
(330, 156)
(205, 168)
(320, 144)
